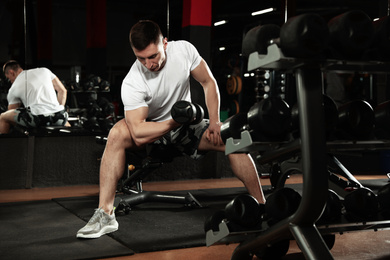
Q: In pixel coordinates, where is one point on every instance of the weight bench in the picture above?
(139, 165)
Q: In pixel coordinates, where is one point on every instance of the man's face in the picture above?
(10, 75)
(153, 57)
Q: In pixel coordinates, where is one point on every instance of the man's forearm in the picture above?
(212, 101)
(61, 97)
(148, 132)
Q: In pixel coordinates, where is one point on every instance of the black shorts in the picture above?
(25, 118)
(186, 138)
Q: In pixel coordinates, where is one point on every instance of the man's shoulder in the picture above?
(39, 70)
(180, 43)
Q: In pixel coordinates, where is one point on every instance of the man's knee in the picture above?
(7, 117)
(119, 136)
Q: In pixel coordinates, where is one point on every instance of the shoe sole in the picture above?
(102, 232)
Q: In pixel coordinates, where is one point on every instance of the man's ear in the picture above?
(165, 42)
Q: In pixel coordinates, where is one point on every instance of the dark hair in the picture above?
(144, 33)
(11, 64)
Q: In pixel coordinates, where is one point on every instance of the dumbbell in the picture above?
(361, 204)
(245, 211)
(303, 36)
(281, 204)
(331, 115)
(258, 39)
(267, 120)
(241, 213)
(184, 112)
(107, 108)
(350, 34)
(333, 208)
(356, 120)
(274, 251)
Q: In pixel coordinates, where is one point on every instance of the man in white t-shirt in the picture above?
(159, 78)
(36, 98)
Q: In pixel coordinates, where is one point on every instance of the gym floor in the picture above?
(356, 245)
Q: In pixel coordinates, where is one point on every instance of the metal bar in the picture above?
(30, 161)
(313, 146)
(311, 242)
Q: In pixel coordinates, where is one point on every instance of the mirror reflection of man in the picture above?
(36, 98)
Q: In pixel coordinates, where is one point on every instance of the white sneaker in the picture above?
(101, 223)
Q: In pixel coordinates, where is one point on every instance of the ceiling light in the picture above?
(268, 10)
(222, 48)
(220, 23)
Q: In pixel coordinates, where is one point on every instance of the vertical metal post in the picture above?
(168, 19)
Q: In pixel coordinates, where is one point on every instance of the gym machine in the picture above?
(298, 51)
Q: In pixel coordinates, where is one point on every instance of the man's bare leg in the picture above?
(6, 120)
(112, 164)
(244, 168)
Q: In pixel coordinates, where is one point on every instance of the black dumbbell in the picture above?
(245, 211)
(258, 39)
(331, 115)
(333, 208)
(304, 36)
(184, 112)
(233, 126)
(361, 204)
(356, 120)
(267, 120)
(281, 204)
(351, 34)
(274, 251)
(271, 118)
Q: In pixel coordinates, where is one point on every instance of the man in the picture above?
(158, 78)
(40, 92)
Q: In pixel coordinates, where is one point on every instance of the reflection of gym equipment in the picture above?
(332, 200)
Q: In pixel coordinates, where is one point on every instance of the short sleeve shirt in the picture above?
(34, 89)
(160, 90)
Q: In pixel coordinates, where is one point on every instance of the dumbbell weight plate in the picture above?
(234, 85)
(233, 126)
(271, 117)
(183, 112)
(212, 222)
(304, 36)
(245, 211)
(333, 208)
(361, 204)
(281, 204)
(199, 114)
(356, 119)
(257, 39)
(351, 34)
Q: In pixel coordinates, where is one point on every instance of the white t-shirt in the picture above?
(41, 96)
(160, 90)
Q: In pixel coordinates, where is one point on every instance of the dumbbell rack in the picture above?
(313, 149)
